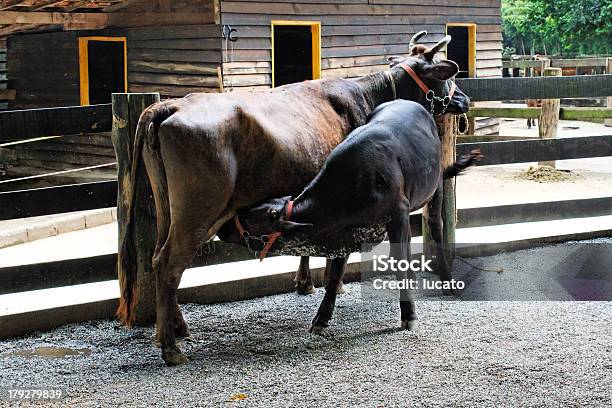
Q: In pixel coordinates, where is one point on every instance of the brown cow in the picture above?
(207, 155)
(534, 103)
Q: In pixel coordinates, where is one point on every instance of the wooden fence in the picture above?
(575, 66)
(39, 141)
(103, 194)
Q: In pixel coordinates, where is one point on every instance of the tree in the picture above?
(558, 27)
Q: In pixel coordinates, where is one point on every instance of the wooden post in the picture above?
(549, 116)
(446, 130)
(608, 122)
(127, 108)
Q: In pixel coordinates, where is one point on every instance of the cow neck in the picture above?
(377, 88)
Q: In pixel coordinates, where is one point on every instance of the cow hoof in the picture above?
(157, 343)
(448, 292)
(340, 290)
(408, 324)
(174, 357)
(304, 287)
(317, 329)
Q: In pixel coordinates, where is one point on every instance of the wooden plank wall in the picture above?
(174, 60)
(357, 35)
(146, 13)
(68, 152)
(488, 65)
(43, 69)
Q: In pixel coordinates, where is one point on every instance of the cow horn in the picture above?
(416, 38)
(434, 50)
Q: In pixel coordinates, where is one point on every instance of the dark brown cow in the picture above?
(534, 103)
(207, 155)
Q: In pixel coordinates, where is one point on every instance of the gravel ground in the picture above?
(259, 353)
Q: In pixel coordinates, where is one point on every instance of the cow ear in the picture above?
(443, 70)
(394, 60)
(290, 226)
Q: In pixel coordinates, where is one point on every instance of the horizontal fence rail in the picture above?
(54, 200)
(534, 113)
(527, 151)
(35, 123)
(102, 267)
(500, 89)
(89, 196)
(557, 63)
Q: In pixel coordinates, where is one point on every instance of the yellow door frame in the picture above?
(315, 31)
(471, 45)
(84, 63)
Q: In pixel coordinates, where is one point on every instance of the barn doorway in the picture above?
(462, 49)
(103, 69)
(296, 51)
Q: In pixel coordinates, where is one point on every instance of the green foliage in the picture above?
(565, 27)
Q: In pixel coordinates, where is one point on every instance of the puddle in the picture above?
(50, 352)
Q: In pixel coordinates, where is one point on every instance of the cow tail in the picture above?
(146, 131)
(463, 163)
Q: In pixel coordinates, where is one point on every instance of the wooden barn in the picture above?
(74, 52)
(78, 52)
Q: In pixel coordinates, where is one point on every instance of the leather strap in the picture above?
(273, 236)
(416, 78)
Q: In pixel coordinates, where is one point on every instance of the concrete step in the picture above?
(22, 230)
(26, 312)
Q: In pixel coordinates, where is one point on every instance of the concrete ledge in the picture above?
(10, 238)
(26, 312)
(28, 230)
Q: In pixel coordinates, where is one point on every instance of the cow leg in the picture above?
(326, 309)
(528, 123)
(168, 266)
(399, 233)
(436, 228)
(181, 329)
(328, 264)
(303, 278)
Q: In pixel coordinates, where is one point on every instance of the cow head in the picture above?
(436, 73)
(271, 216)
(260, 223)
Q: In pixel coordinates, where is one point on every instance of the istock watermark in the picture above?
(557, 272)
(384, 263)
(417, 284)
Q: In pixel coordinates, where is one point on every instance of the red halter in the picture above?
(271, 237)
(422, 85)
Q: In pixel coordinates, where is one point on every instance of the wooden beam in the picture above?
(609, 98)
(85, 20)
(16, 28)
(126, 112)
(504, 112)
(586, 114)
(548, 123)
(8, 94)
(54, 200)
(45, 5)
(502, 89)
(578, 62)
(527, 151)
(8, 4)
(77, 5)
(32, 123)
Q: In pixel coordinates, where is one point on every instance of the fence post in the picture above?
(127, 108)
(446, 131)
(608, 122)
(549, 116)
